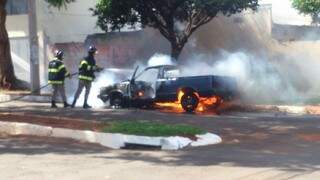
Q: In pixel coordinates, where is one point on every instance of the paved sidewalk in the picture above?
(37, 158)
(255, 146)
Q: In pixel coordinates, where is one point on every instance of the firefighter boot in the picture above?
(86, 106)
(73, 103)
(53, 104)
(65, 105)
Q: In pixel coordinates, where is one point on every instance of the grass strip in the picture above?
(153, 129)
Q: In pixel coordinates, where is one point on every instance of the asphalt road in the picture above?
(255, 146)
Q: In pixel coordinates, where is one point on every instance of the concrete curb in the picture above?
(24, 129)
(27, 98)
(114, 141)
(293, 109)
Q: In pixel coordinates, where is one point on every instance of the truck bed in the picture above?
(205, 86)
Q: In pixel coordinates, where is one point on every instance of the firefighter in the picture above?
(57, 73)
(87, 68)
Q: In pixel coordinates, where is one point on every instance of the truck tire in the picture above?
(189, 102)
(116, 101)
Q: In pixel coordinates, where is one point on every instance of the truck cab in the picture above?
(158, 84)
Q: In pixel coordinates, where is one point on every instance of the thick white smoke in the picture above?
(160, 59)
(112, 76)
(258, 79)
(179, 26)
(103, 79)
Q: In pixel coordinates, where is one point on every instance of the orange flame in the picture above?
(140, 93)
(204, 103)
(180, 94)
(175, 106)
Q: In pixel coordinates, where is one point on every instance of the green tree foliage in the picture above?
(59, 3)
(175, 19)
(308, 7)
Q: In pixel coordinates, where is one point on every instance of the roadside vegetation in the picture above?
(308, 7)
(176, 20)
(151, 129)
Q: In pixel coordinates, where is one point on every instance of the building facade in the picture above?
(283, 13)
(72, 28)
(71, 24)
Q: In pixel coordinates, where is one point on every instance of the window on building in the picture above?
(15, 7)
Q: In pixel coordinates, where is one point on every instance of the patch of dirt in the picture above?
(277, 109)
(223, 108)
(309, 137)
(68, 123)
(250, 108)
(314, 110)
(58, 122)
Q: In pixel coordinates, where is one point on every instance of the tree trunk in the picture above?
(176, 50)
(7, 77)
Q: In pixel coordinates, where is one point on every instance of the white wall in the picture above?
(18, 31)
(20, 56)
(67, 25)
(17, 26)
(54, 26)
(284, 13)
(76, 22)
(246, 31)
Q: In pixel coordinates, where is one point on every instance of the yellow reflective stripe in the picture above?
(61, 67)
(55, 82)
(55, 59)
(89, 67)
(54, 70)
(83, 62)
(88, 78)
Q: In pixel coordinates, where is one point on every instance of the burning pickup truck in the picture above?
(162, 84)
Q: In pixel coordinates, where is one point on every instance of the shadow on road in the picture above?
(30, 145)
(249, 141)
(232, 155)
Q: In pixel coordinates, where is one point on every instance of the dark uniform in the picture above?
(87, 68)
(57, 73)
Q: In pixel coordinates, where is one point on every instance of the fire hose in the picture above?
(46, 85)
(36, 90)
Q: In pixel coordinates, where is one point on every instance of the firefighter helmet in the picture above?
(58, 54)
(92, 49)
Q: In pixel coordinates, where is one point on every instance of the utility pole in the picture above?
(34, 47)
